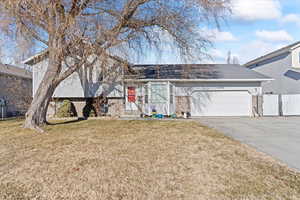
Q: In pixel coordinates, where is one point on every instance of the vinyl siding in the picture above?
(186, 89)
(80, 85)
(286, 77)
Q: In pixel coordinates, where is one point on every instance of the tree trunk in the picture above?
(37, 113)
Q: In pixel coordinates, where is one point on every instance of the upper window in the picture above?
(159, 93)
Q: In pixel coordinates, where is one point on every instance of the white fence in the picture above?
(284, 105)
(271, 105)
(291, 104)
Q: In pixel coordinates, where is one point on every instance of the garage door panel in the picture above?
(221, 103)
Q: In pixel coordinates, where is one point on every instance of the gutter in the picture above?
(15, 75)
(199, 80)
(32, 59)
(263, 58)
(273, 54)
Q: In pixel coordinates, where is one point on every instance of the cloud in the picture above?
(222, 36)
(251, 10)
(274, 36)
(217, 54)
(291, 18)
(257, 48)
(216, 35)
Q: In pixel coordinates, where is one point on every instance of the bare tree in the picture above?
(228, 57)
(235, 60)
(232, 59)
(78, 29)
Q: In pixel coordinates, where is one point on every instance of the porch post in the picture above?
(168, 85)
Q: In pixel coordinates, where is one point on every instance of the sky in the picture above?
(255, 28)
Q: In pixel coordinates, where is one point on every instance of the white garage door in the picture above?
(221, 103)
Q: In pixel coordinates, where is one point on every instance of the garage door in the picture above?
(221, 103)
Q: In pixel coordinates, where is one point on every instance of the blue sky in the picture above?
(255, 28)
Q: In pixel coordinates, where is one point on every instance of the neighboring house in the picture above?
(281, 96)
(283, 66)
(201, 90)
(15, 89)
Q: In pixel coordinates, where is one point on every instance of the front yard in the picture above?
(136, 160)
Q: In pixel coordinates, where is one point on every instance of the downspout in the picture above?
(257, 106)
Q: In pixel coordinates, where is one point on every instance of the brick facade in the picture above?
(17, 92)
(183, 104)
(115, 107)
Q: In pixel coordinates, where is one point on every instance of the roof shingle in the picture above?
(194, 71)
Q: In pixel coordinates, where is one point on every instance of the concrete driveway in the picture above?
(278, 137)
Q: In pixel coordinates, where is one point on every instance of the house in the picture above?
(15, 90)
(281, 96)
(283, 66)
(201, 90)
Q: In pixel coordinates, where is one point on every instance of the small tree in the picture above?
(232, 59)
(228, 57)
(66, 109)
(78, 29)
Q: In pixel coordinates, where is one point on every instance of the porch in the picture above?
(145, 98)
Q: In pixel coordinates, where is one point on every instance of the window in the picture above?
(159, 93)
(146, 94)
(131, 94)
(171, 94)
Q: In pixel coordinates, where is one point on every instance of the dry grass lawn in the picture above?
(93, 160)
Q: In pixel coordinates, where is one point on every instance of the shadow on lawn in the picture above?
(66, 122)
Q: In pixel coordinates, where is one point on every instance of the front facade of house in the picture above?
(283, 66)
(15, 90)
(197, 98)
(201, 90)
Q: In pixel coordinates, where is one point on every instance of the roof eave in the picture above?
(16, 75)
(36, 58)
(199, 80)
(295, 47)
(261, 59)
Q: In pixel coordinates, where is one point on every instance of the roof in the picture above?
(194, 72)
(15, 71)
(273, 54)
(36, 58)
